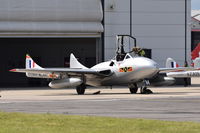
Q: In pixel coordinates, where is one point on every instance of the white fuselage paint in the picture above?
(133, 69)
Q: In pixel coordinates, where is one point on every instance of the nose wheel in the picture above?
(144, 90)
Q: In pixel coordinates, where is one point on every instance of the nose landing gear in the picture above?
(143, 89)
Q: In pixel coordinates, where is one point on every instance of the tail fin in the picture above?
(30, 64)
(74, 62)
(171, 63)
(196, 62)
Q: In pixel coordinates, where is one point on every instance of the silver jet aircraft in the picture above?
(135, 72)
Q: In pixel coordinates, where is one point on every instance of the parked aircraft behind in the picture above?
(183, 74)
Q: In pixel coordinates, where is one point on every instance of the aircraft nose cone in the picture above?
(150, 68)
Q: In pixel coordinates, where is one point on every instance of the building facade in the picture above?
(158, 25)
(49, 30)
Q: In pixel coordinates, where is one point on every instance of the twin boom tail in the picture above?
(33, 70)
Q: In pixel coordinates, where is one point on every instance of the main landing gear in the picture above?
(143, 90)
(81, 89)
(133, 88)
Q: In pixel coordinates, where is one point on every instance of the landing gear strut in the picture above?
(143, 89)
(133, 89)
(81, 89)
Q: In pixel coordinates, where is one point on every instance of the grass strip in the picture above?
(52, 123)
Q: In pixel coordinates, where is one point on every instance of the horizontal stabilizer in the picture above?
(178, 69)
(72, 71)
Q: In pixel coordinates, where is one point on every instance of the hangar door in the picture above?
(47, 52)
(49, 30)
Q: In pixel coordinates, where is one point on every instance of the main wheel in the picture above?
(81, 89)
(133, 89)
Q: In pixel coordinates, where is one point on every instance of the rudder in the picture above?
(30, 63)
(74, 63)
(171, 63)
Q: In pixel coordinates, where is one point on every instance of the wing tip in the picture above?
(13, 70)
(28, 56)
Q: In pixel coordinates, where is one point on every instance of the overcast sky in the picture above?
(196, 4)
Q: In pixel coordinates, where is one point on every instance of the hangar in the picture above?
(49, 30)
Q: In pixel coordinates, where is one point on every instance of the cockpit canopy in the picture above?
(121, 57)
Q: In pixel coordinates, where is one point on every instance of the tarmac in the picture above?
(174, 103)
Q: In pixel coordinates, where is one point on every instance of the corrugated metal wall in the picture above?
(43, 17)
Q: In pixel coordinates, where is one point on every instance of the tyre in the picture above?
(81, 89)
(133, 90)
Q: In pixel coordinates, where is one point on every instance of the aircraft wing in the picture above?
(70, 71)
(177, 69)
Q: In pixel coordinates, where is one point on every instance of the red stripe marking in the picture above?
(13, 70)
(53, 75)
(196, 30)
(28, 56)
(130, 69)
(33, 64)
(121, 70)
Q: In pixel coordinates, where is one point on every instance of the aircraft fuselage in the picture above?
(128, 71)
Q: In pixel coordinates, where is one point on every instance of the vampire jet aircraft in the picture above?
(124, 69)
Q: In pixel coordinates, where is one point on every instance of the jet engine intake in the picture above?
(65, 83)
(162, 80)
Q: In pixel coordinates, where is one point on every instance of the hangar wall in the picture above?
(49, 30)
(157, 24)
(50, 17)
